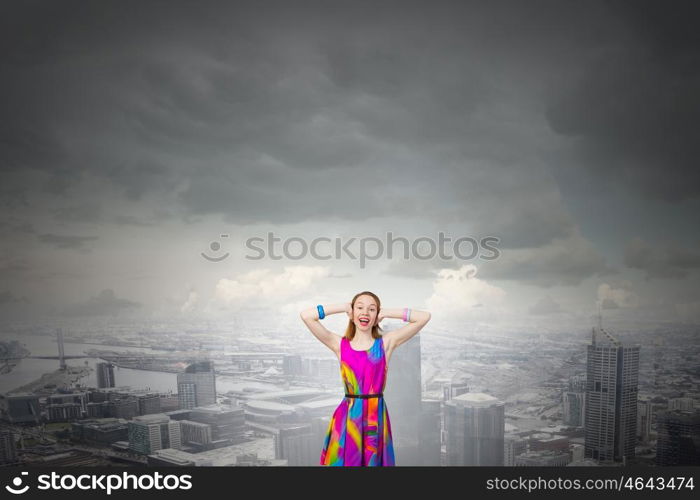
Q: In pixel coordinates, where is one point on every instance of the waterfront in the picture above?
(28, 370)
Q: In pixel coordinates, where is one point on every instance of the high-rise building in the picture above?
(685, 404)
(644, 412)
(574, 402)
(8, 448)
(291, 364)
(197, 385)
(148, 403)
(611, 398)
(403, 395)
(678, 437)
(475, 427)
(512, 447)
(297, 445)
(227, 422)
(429, 434)
(105, 375)
(125, 407)
(196, 433)
(453, 389)
(20, 408)
(148, 433)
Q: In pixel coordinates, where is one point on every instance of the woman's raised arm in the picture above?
(311, 320)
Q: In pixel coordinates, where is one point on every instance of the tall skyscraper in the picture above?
(611, 398)
(8, 449)
(512, 447)
(105, 375)
(475, 426)
(679, 437)
(644, 412)
(403, 401)
(197, 385)
(430, 429)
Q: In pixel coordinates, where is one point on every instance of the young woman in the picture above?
(359, 433)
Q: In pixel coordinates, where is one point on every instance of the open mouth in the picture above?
(364, 321)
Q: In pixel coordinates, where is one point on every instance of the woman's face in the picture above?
(364, 313)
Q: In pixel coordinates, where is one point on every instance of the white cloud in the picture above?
(618, 295)
(562, 261)
(264, 287)
(457, 293)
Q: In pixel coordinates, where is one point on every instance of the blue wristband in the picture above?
(321, 313)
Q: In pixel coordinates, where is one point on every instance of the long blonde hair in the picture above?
(350, 330)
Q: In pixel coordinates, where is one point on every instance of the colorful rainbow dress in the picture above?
(359, 433)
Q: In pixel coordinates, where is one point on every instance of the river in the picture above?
(28, 370)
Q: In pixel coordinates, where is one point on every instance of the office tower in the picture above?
(103, 431)
(148, 403)
(297, 445)
(644, 412)
(66, 407)
(125, 407)
(20, 408)
(402, 396)
(685, 404)
(197, 385)
(105, 375)
(611, 398)
(430, 430)
(678, 437)
(291, 364)
(196, 433)
(574, 401)
(475, 427)
(148, 433)
(453, 389)
(78, 398)
(512, 447)
(227, 422)
(8, 449)
(98, 410)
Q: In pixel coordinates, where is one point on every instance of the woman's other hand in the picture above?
(380, 316)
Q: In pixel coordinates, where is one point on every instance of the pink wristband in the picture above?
(405, 313)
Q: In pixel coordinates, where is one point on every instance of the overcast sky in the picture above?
(135, 134)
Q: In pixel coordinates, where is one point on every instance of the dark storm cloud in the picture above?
(106, 303)
(565, 262)
(7, 297)
(282, 112)
(12, 267)
(66, 241)
(666, 260)
(14, 227)
(634, 107)
(92, 212)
